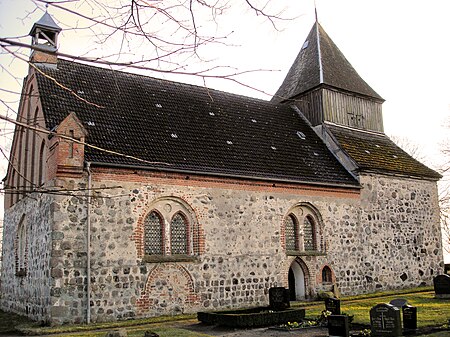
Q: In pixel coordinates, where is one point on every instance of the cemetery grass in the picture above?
(9, 322)
(430, 311)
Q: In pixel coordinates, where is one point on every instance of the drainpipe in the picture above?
(88, 244)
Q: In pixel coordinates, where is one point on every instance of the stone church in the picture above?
(131, 196)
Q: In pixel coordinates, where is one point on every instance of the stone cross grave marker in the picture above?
(385, 321)
(338, 326)
(279, 298)
(333, 305)
(442, 286)
(409, 318)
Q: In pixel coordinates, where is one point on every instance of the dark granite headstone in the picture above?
(442, 286)
(447, 268)
(333, 305)
(409, 318)
(279, 298)
(399, 302)
(385, 321)
(338, 326)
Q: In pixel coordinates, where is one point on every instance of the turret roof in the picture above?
(320, 62)
(46, 21)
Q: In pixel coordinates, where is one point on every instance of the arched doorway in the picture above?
(297, 282)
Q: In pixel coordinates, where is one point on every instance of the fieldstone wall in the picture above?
(69, 254)
(28, 293)
(400, 234)
(242, 257)
(387, 237)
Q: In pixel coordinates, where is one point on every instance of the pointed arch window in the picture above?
(41, 179)
(153, 234)
(178, 234)
(291, 232)
(326, 275)
(309, 234)
(34, 153)
(170, 232)
(303, 233)
(21, 248)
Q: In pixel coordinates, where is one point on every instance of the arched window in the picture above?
(302, 228)
(12, 186)
(34, 152)
(21, 248)
(19, 166)
(326, 275)
(309, 234)
(41, 177)
(153, 234)
(179, 234)
(291, 232)
(170, 230)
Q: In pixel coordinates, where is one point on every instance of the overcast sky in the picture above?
(399, 47)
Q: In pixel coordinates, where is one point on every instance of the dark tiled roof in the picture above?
(337, 72)
(376, 152)
(188, 127)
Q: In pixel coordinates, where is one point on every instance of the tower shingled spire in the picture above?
(321, 76)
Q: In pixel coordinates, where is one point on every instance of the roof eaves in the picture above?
(400, 174)
(230, 175)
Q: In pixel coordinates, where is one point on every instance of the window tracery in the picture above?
(302, 230)
(170, 229)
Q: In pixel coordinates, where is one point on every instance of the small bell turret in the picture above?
(44, 35)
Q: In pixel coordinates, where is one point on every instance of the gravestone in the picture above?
(442, 286)
(447, 268)
(338, 326)
(279, 298)
(333, 305)
(399, 302)
(385, 321)
(409, 318)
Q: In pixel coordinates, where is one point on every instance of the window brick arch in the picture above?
(302, 228)
(169, 228)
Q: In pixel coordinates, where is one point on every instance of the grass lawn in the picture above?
(9, 321)
(430, 311)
